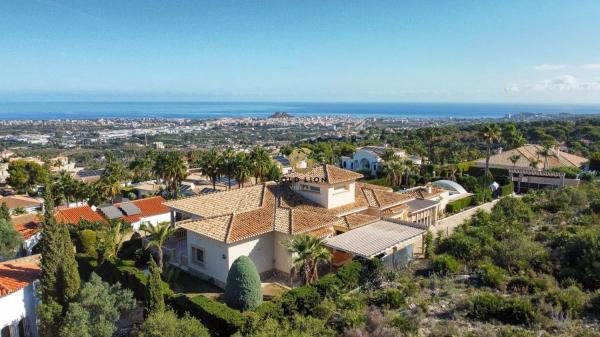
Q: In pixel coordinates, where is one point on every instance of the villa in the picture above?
(18, 296)
(325, 202)
(528, 155)
(369, 159)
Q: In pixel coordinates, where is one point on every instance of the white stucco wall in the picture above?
(153, 220)
(283, 259)
(215, 266)
(19, 305)
(320, 197)
(258, 249)
(337, 199)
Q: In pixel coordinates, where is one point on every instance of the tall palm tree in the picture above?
(171, 168)
(514, 159)
(307, 252)
(545, 152)
(211, 165)
(490, 133)
(409, 167)
(388, 154)
(158, 235)
(242, 168)
(65, 185)
(261, 162)
(228, 165)
(112, 178)
(393, 171)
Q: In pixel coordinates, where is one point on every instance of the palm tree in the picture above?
(514, 159)
(545, 152)
(158, 235)
(228, 165)
(171, 168)
(261, 162)
(409, 167)
(242, 168)
(211, 165)
(388, 155)
(307, 252)
(490, 133)
(533, 163)
(111, 180)
(64, 185)
(393, 171)
(113, 238)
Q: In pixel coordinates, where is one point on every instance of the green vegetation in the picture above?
(167, 324)
(154, 301)
(243, 285)
(308, 253)
(10, 240)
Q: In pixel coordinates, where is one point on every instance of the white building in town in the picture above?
(368, 158)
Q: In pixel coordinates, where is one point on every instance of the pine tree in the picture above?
(154, 301)
(243, 290)
(4, 212)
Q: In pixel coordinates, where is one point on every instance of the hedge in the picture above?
(507, 189)
(219, 318)
(457, 205)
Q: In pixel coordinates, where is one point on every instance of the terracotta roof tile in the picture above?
(16, 275)
(326, 173)
(28, 225)
(74, 215)
(14, 201)
(148, 207)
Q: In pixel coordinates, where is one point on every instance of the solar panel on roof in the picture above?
(111, 212)
(90, 173)
(130, 209)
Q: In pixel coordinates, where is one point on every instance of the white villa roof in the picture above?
(372, 239)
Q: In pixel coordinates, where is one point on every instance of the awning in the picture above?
(375, 238)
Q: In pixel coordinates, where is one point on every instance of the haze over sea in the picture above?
(212, 110)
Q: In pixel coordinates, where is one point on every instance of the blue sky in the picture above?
(435, 51)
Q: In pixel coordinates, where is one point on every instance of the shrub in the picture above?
(217, 317)
(302, 300)
(87, 239)
(166, 324)
(457, 205)
(329, 286)
(429, 248)
(570, 300)
(507, 189)
(461, 246)
(492, 276)
(349, 274)
(269, 310)
(391, 298)
(514, 332)
(445, 264)
(243, 290)
(486, 306)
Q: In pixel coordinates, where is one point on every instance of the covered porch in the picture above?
(394, 241)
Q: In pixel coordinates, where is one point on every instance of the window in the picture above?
(198, 255)
(309, 188)
(340, 189)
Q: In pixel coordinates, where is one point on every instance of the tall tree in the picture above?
(171, 168)
(142, 168)
(228, 165)
(25, 175)
(260, 161)
(243, 168)
(154, 300)
(430, 135)
(4, 212)
(112, 178)
(211, 165)
(490, 133)
(158, 236)
(10, 240)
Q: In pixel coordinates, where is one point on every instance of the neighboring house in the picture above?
(74, 215)
(215, 229)
(18, 299)
(530, 152)
(88, 176)
(29, 204)
(147, 188)
(30, 227)
(284, 164)
(149, 210)
(369, 159)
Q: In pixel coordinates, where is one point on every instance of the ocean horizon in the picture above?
(214, 110)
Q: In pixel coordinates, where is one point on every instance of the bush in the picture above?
(301, 300)
(570, 300)
(329, 285)
(390, 298)
(492, 276)
(445, 264)
(87, 240)
(514, 332)
(243, 290)
(166, 324)
(593, 304)
(487, 306)
(349, 274)
(456, 205)
(217, 317)
(507, 189)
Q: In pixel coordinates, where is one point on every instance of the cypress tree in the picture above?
(242, 290)
(4, 212)
(154, 300)
(70, 274)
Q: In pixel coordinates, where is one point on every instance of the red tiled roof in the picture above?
(16, 275)
(148, 207)
(74, 215)
(28, 225)
(14, 201)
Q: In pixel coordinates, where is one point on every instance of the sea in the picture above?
(214, 110)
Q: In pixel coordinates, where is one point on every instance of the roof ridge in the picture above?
(228, 231)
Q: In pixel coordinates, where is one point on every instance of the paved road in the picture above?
(448, 224)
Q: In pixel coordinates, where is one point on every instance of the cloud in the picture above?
(592, 66)
(560, 83)
(548, 67)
